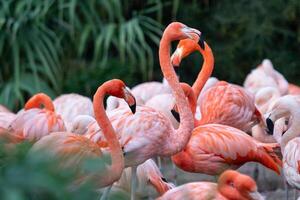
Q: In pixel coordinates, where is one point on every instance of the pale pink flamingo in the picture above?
(166, 102)
(35, 122)
(289, 140)
(150, 180)
(6, 118)
(266, 76)
(4, 109)
(73, 149)
(231, 185)
(223, 103)
(149, 133)
(264, 98)
(71, 105)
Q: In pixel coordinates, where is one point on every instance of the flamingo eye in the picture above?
(231, 184)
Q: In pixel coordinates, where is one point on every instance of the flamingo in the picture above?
(4, 109)
(74, 148)
(34, 122)
(287, 106)
(149, 133)
(231, 185)
(265, 75)
(264, 98)
(223, 103)
(71, 105)
(213, 148)
(149, 178)
(294, 89)
(6, 118)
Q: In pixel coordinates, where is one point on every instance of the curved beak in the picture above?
(270, 126)
(201, 42)
(175, 115)
(130, 100)
(191, 33)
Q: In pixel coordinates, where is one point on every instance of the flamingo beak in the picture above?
(130, 100)
(201, 42)
(191, 33)
(175, 115)
(270, 126)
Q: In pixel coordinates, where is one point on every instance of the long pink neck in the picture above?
(177, 138)
(206, 70)
(114, 172)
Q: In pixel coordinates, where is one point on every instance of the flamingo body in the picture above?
(33, 124)
(213, 148)
(71, 105)
(230, 105)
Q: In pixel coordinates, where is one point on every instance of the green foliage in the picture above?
(243, 33)
(36, 176)
(37, 39)
(59, 46)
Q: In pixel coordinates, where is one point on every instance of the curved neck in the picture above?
(206, 70)
(177, 138)
(294, 130)
(39, 100)
(189, 93)
(114, 172)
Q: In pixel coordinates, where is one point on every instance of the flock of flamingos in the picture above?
(213, 127)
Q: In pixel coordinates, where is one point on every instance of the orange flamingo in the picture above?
(71, 105)
(265, 76)
(223, 103)
(214, 148)
(74, 148)
(287, 106)
(294, 89)
(231, 186)
(35, 122)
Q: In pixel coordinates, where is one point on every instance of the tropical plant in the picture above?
(38, 39)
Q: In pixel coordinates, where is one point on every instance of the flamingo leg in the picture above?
(133, 182)
(174, 173)
(159, 163)
(106, 192)
(286, 191)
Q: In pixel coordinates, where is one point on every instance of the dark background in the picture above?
(61, 46)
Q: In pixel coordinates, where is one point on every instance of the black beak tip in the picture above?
(201, 42)
(270, 126)
(175, 115)
(133, 108)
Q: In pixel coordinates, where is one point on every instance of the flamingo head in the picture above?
(120, 90)
(234, 185)
(179, 31)
(281, 108)
(186, 47)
